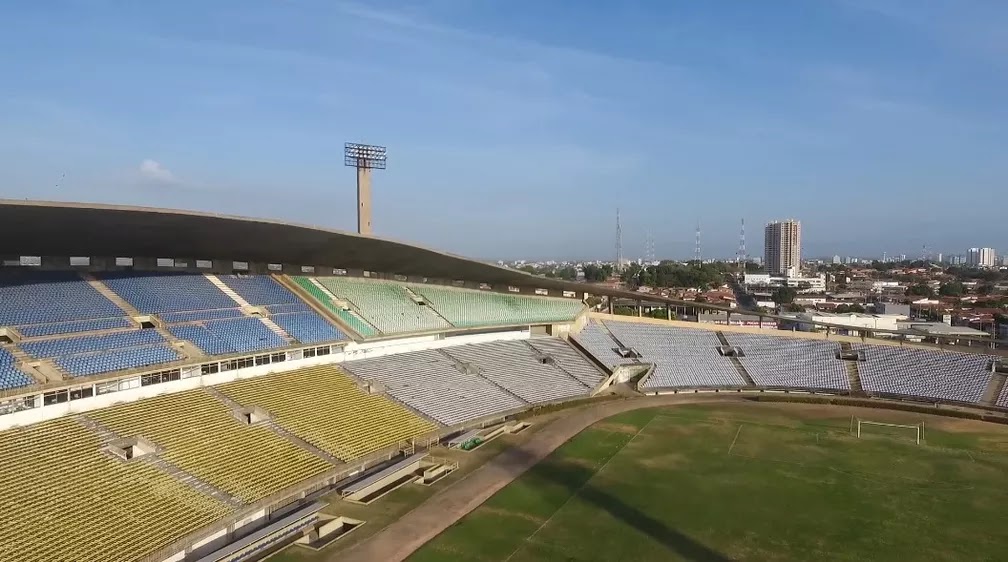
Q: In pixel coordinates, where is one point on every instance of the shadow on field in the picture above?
(574, 478)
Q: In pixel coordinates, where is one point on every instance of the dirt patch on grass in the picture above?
(668, 460)
(509, 513)
(953, 425)
(613, 427)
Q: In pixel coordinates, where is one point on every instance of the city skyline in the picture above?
(524, 118)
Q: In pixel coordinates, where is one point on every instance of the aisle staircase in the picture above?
(994, 388)
(464, 367)
(852, 372)
(276, 428)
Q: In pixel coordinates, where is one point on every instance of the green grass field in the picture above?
(750, 482)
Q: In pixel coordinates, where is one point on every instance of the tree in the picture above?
(784, 295)
(850, 309)
(919, 290)
(795, 308)
(596, 273)
(951, 289)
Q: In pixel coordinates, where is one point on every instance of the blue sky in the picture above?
(516, 128)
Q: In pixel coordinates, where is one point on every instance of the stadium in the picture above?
(178, 386)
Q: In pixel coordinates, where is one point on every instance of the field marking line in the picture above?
(732, 446)
(578, 491)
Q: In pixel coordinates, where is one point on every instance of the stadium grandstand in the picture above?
(195, 407)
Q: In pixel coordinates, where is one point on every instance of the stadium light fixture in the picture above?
(364, 157)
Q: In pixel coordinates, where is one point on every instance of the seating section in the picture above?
(60, 493)
(790, 362)
(157, 292)
(259, 290)
(43, 303)
(595, 339)
(201, 436)
(1002, 399)
(117, 360)
(84, 344)
(10, 375)
(223, 337)
(468, 308)
(91, 355)
(356, 324)
(514, 366)
(308, 327)
(201, 315)
(285, 308)
(385, 305)
(921, 372)
(683, 357)
(325, 407)
(39, 330)
(429, 381)
(569, 360)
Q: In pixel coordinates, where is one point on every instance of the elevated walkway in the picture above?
(381, 482)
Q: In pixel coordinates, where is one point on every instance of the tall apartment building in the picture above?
(981, 257)
(782, 248)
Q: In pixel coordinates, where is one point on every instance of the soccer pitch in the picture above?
(749, 482)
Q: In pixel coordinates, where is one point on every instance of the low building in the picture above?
(850, 322)
(805, 285)
(721, 318)
(893, 308)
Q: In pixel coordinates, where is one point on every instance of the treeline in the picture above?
(672, 274)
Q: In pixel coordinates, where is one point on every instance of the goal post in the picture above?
(916, 430)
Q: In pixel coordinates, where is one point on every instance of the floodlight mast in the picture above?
(364, 157)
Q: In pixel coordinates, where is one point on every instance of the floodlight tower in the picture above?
(364, 157)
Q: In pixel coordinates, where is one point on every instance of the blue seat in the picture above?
(201, 315)
(10, 375)
(37, 330)
(157, 292)
(259, 289)
(43, 297)
(116, 360)
(86, 344)
(308, 327)
(223, 337)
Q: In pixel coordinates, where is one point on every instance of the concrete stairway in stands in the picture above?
(735, 361)
(126, 307)
(993, 390)
(461, 366)
(277, 428)
(106, 435)
(246, 307)
(852, 372)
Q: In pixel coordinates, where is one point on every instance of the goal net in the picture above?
(868, 428)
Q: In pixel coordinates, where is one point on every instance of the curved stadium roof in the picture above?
(45, 228)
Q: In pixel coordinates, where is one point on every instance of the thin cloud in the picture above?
(154, 171)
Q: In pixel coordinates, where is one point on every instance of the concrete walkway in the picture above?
(401, 538)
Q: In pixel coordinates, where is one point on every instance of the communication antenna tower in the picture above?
(699, 256)
(619, 242)
(364, 157)
(740, 258)
(649, 253)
